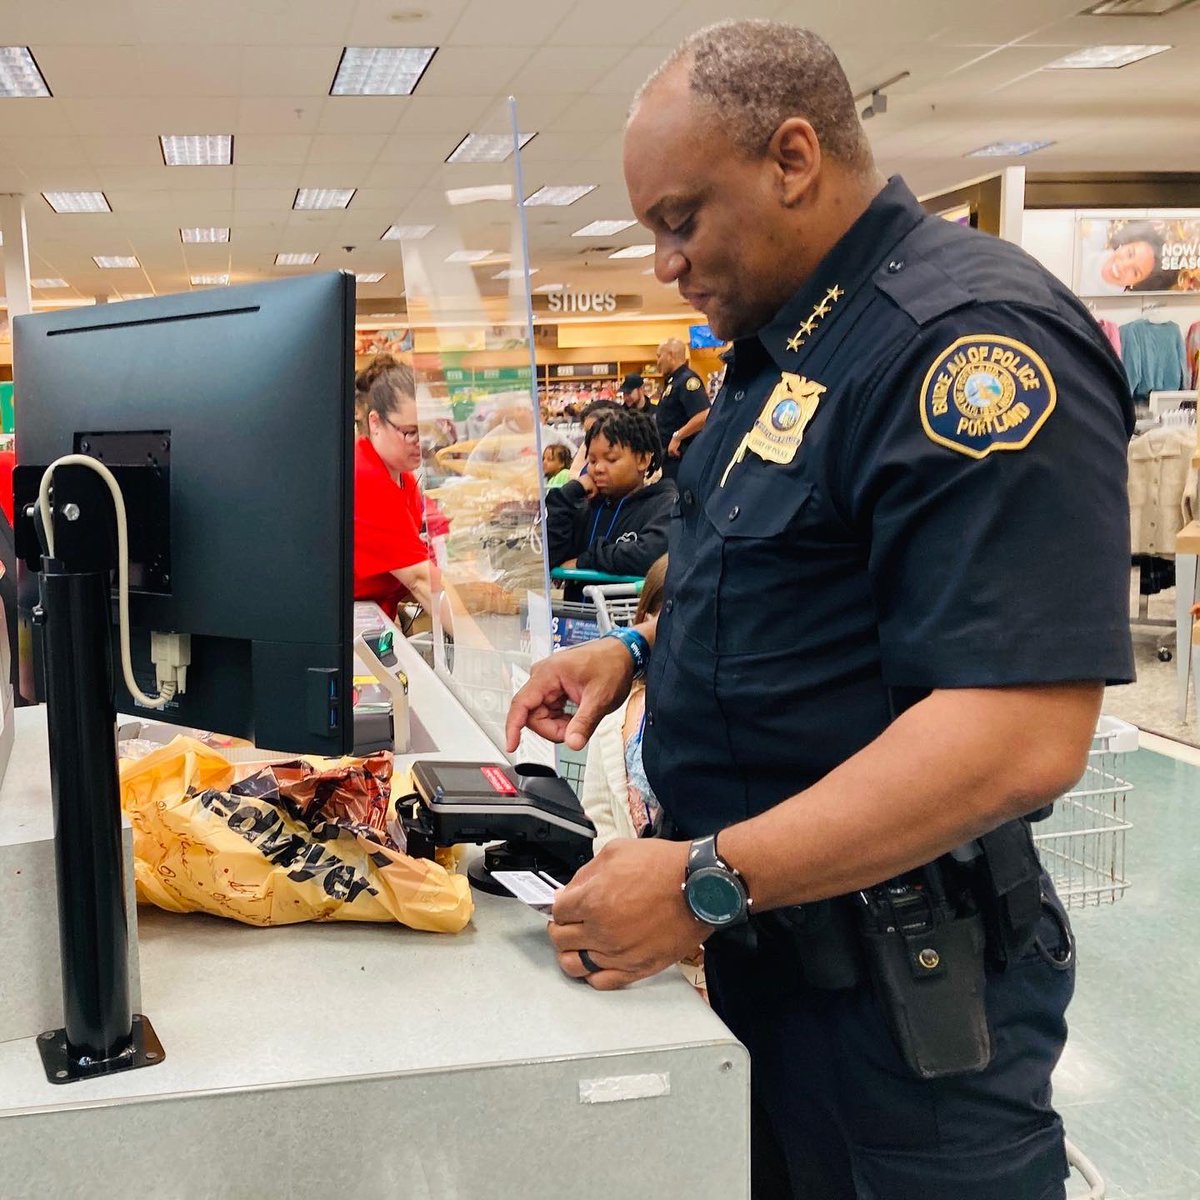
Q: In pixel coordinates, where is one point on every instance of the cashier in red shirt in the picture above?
(391, 557)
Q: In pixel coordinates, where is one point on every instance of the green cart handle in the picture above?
(575, 575)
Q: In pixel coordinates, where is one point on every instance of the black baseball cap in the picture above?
(631, 383)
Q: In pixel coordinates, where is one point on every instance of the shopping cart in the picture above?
(1082, 848)
(606, 601)
(1082, 843)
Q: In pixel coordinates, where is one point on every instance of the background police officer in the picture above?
(683, 406)
(898, 582)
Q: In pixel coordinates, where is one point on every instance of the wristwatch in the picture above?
(712, 889)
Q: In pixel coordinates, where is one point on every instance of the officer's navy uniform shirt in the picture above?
(682, 398)
(954, 516)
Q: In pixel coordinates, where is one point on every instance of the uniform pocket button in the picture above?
(733, 513)
(687, 499)
(738, 394)
(895, 266)
(649, 718)
(670, 604)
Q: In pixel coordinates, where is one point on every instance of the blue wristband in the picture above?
(638, 647)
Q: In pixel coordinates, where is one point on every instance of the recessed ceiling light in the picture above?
(550, 287)
(196, 149)
(1135, 8)
(20, 75)
(381, 70)
(49, 283)
(476, 195)
(405, 233)
(295, 260)
(1104, 58)
(511, 274)
(368, 276)
(468, 256)
(486, 147)
(113, 262)
(1006, 149)
(77, 202)
(603, 228)
(323, 197)
(209, 280)
(204, 235)
(640, 251)
(559, 196)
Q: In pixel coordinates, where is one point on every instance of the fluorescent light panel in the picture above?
(77, 202)
(114, 262)
(405, 233)
(603, 228)
(197, 149)
(486, 147)
(381, 70)
(511, 274)
(546, 288)
(1104, 58)
(559, 196)
(468, 256)
(213, 234)
(476, 195)
(1135, 8)
(644, 250)
(49, 283)
(1007, 149)
(295, 260)
(20, 76)
(368, 276)
(209, 280)
(323, 198)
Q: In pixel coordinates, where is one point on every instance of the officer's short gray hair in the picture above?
(755, 74)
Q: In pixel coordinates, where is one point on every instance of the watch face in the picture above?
(714, 896)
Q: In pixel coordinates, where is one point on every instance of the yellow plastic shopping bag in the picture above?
(278, 844)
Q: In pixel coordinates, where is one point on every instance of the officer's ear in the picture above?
(795, 152)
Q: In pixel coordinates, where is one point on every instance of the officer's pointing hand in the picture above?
(626, 909)
(595, 676)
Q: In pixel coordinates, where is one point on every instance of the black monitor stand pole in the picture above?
(100, 1034)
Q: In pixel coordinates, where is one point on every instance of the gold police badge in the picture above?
(779, 429)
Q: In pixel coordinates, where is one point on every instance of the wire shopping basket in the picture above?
(603, 607)
(1082, 843)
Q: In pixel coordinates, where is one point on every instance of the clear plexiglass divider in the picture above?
(467, 286)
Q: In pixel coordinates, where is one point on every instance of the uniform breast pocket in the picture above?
(767, 528)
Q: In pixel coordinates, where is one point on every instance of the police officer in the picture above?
(898, 583)
(683, 407)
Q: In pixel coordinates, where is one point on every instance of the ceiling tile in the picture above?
(189, 70)
(374, 23)
(617, 23)
(357, 149)
(263, 149)
(507, 23)
(456, 68)
(287, 70)
(564, 69)
(362, 114)
(286, 115)
(269, 175)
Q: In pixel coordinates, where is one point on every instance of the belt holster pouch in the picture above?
(1009, 891)
(824, 939)
(927, 967)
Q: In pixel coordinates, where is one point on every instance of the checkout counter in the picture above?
(347, 1059)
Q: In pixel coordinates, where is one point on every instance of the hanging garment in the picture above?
(1154, 357)
(1193, 355)
(1112, 331)
(1159, 462)
(1154, 574)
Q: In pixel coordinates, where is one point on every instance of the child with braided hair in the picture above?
(611, 519)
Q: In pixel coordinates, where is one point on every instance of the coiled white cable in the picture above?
(168, 689)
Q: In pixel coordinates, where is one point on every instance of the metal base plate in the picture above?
(145, 1050)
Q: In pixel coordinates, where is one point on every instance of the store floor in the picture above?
(1151, 702)
(1128, 1086)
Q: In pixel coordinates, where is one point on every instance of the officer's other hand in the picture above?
(673, 447)
(626, 909)
(596, 677)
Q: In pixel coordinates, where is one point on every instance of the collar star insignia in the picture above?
(807, 327)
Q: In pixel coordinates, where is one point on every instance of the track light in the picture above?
(877, 107)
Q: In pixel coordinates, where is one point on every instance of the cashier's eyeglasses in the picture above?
(410, 433)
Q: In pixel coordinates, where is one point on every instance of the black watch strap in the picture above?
(703, 853)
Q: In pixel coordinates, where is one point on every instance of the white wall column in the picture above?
(16, 255)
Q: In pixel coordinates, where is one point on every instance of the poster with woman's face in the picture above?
(1138, 254)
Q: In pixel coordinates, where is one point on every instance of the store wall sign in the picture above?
(570, 303)
(581, 370)
(1140, 251)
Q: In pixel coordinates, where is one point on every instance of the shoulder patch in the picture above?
(693, 384)
(985, 392)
